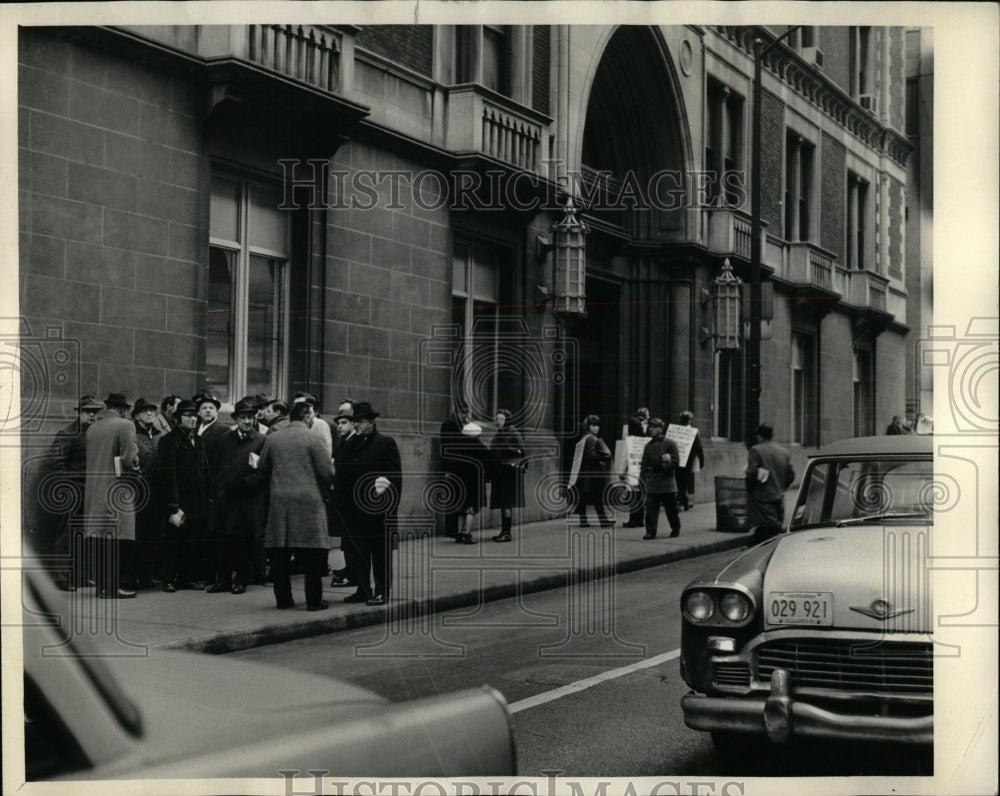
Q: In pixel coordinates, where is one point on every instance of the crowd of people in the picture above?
(168, 496)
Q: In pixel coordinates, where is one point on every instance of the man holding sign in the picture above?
(692, 457)
(637, 436)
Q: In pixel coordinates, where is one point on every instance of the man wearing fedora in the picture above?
(239, 500)
(185, 487)
(373, 473)
(109, 496)
(341, 509)
(66, 469)
(148, 514)
(211, 430)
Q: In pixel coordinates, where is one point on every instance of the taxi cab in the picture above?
(824, 630)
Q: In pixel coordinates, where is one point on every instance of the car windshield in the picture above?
(853, 491)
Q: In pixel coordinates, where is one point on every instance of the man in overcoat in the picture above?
(659, 460)
(298, 469)
(769, 473)
(638, 426)
(341, 509)
(109, 496)
(373, 471)
(239, 492)
(149, 513)
(185, 485)
(62, 486)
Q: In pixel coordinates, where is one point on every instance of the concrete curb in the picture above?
(363, 616)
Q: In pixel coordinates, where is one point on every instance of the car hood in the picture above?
(877, 575)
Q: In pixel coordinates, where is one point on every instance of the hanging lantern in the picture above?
(570, 245)
(726, 297)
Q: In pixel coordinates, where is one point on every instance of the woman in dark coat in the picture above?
(507, 454)
(594, 469)
(471, 459)
(186, 490)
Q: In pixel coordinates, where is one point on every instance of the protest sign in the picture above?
(574, 470)
(684, 437)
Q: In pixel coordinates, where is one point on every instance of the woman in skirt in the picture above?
(507, 492)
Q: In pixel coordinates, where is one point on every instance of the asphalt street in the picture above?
(590, 673)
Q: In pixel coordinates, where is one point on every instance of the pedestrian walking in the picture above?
(637, 426)
(61, 495)
(507, 471)
(595, 467)
(769, 473)
(109, 496)
(659, 460)
(373, 472)
(685, 473)
(149, 515)
(239, 501)
(297, 468)
(470, 461)
(186, 489)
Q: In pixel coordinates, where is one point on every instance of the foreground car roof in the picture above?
(887, 445)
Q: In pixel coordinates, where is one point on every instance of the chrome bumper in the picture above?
(779, 716)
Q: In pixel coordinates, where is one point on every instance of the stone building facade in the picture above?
(362, 211)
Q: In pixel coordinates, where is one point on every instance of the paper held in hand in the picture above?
(684, 437)
(254, 460)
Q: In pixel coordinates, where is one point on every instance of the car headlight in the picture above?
(735, 606)
(699, 606)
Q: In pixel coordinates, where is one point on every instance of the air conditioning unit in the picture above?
(869, 102)
(813, 55)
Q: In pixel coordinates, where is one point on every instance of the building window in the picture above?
(858, 57)
(724, 142)
(728, 398)
(798, 187)
(805, 414)
(487, 372)
(245, 351)
(864, 393)
(482, 55)
(857, 213)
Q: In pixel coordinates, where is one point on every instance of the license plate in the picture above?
(800, 608)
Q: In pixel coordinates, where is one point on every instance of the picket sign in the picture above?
(684, 437)
(574, 471)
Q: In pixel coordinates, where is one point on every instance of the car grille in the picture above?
(737, 674)
(884, 667)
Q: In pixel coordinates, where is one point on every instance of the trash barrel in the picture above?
(730, 503)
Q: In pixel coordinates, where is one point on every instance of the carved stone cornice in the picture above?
(807, 81)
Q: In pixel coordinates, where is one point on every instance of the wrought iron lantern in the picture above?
(725, 299)
(568, 292)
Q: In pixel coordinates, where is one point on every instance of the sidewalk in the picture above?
(431, 574)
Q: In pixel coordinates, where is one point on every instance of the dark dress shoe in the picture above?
(649, 536)
(341, 580)
(239, 589)
(357, 597)
(318, 606)
(218, 586)
(169, 587)
(117, 594)
(377, 599)
(195, 585)
(465, 538)
(502, 537)
(285, 604)
(675, 533)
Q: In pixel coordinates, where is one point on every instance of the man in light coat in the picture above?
(109, 496)
(298, 468)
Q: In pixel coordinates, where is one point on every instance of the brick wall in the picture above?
(897, 210)
(111, 215)
(836, 381)
(835, 44)
(896, 89)
(388, 284)
(772, 115)
(410, 45)
(541, 61)
(832, 210)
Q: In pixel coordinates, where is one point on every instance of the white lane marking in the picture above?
(597, 679)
